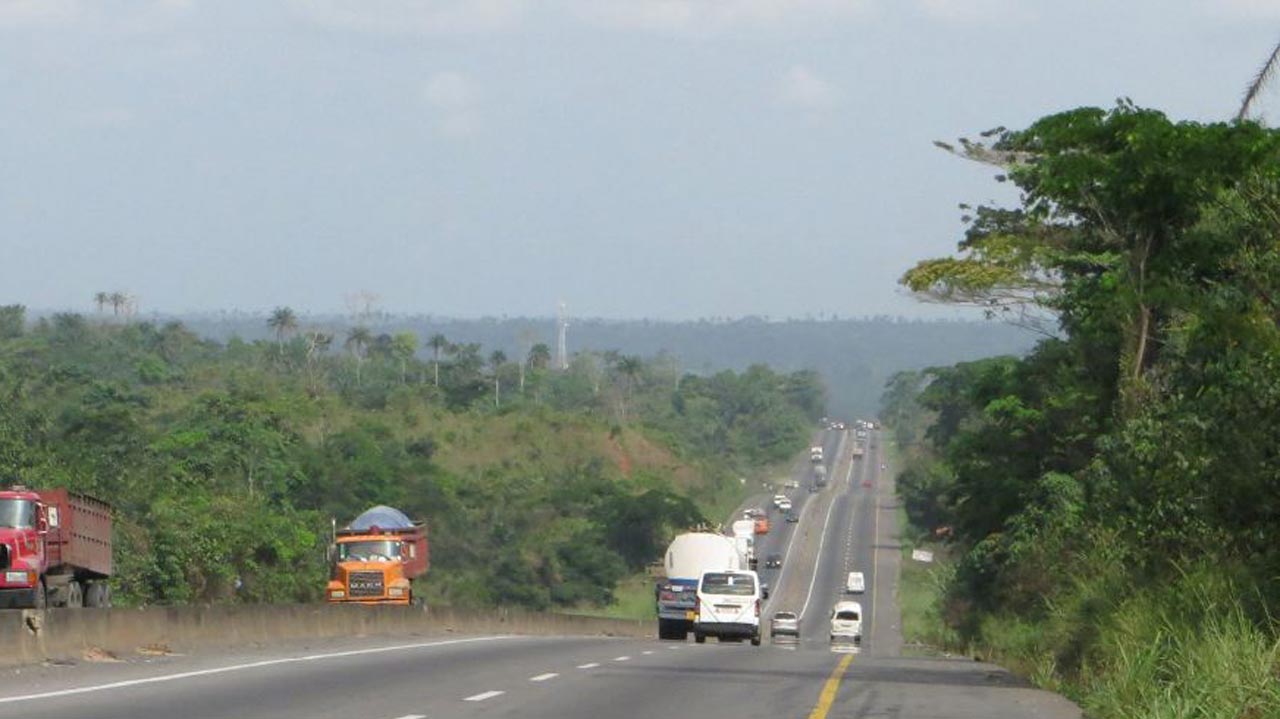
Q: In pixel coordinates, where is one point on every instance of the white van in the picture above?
(846, 621)
(728, 606)
(856, 583)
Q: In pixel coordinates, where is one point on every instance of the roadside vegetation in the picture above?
(1112, 498)
(226, 461)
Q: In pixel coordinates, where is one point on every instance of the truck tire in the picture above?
(699, 637)
(75, 595)
(97, 595)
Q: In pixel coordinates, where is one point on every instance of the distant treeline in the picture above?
(855, 357)
(226, 460)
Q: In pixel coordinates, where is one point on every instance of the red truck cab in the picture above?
(55, 549)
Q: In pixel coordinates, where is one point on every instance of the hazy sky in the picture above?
(637, 158)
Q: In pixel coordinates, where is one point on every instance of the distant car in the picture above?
(792, 518)
(813, 488)
(762, 525)
(785, 624)
(773, 561)
(846, 621)
(856, 583)
(778, 499)
(785, 505)
(793, 484)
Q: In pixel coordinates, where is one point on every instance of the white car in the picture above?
(786, 624)
(784, 505)
(846, 621)
(855, 583)
(778, 499)
(728, 606)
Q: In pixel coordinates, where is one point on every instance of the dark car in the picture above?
(792, 517)
(773, 560)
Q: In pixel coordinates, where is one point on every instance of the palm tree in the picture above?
(1260, 81)
(358, 339)
(496, 359)
(630, 367)
(282, 321)
(438, 343)
(118, 301)
(539, 356)
(403, 346)
(101, 299)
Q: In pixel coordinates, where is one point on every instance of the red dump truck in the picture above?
(375, 559)
(55, 549)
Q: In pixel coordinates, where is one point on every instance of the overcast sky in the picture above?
(635, 158)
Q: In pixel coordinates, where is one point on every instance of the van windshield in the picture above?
(736, 585)
(847, 615)
(369, 551)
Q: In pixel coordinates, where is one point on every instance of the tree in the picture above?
(539, 356)
(497, 359)
(438, 343)
(101, 299)
(358, 340)
(403, 347)
(119, 302)
(283, 321)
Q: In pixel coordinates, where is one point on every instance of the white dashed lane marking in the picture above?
(622, 659)
(544, 677)
(589, 665)
(483, 696)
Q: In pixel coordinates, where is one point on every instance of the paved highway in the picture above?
(847, 526)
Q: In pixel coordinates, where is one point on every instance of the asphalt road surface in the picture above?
(848, 526)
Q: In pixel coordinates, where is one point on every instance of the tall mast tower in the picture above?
(562, 326)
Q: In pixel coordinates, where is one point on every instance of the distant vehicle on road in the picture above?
(773, 561)
(687, 558)
(856, 583)
(784, 624)
(785, 505)
(778, 499)
(846, 621)
(793, 484)
(820, 475)
(728, 607)
(762, 525)
(792, 518)
(815, 453)
(753, 513)
(376, 558)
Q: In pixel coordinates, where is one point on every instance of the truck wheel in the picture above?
(699, 637)
(75, 595)
(97, 595)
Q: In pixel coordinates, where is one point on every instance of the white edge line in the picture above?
(483, 696)
(791, 543)
(818, 561)
(413, 716)
(241, 667)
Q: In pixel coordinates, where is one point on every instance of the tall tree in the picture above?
(119, 301)
(438, 343)
(358, 340)
(101, 299)
(403, 346)
(282, 321)
(497, 359)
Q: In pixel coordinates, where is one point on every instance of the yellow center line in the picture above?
(829, 690)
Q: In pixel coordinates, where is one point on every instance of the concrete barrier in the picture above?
(69, 634)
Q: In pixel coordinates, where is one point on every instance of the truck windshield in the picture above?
(369, 551)
(17, 513)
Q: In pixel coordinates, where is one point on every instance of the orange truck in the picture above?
(375, 559)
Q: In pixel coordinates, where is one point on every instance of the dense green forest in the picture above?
(855, 356)
(226, 461)
(1113, 497)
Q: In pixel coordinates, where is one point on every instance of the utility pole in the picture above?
(562, 348)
